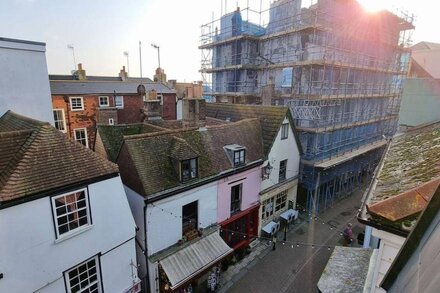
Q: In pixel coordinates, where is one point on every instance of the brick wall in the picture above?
(169, 111)
(132, 111)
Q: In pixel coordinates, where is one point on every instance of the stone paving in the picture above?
(293, 269)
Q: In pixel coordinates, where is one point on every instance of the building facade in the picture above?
(179, 178)
(65, 223)
(82, 102)
(344, 91)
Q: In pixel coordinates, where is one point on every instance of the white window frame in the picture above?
(85, 132)
(55, 216)
(63, 119)
(122, 102)
(239, 157)
(285, 131)
(97, 269)
(77, 109)
(104, 105)
(282, 197)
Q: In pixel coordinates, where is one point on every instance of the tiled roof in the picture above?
(181, 150)
(113, 136)
(412, 160)
(405, 205)
(37, 158)
(80, 87)
(271, 117)
(151, 153)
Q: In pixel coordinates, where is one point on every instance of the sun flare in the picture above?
(372, 5)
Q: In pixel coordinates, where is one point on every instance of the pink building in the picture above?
(238, 203)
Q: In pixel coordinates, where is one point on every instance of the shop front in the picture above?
(239, 230)
(194, 267)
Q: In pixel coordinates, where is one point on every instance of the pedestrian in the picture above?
(274, 241)
(348, 235)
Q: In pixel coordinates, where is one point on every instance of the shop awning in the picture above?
(186, 263)
(269, 227)
(289, 214)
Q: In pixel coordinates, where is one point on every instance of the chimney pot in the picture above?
(80, 67)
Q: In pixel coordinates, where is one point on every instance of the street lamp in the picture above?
(70, 46)
(158, 52)
(128, 65)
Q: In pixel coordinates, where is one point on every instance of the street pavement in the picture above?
(298, 269)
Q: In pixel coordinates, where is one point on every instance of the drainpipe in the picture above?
(66, 100)
(147, 274)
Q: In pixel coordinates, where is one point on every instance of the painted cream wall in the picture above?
(390, 245)
(281, 150)
(291, 187)
(251, 180)
(165, 229)
(31, 259)
(24, 81)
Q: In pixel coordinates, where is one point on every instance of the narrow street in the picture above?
(298, 269)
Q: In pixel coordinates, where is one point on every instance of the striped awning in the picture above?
(192, 260)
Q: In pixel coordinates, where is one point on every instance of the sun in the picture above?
(372, 5)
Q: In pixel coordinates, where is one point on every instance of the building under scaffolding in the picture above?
(340, 70)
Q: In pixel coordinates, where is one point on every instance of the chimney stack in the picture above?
(81, 73)
(123, 74)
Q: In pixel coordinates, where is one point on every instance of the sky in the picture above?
(101, 30)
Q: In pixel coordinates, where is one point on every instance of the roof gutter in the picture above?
(164, 194)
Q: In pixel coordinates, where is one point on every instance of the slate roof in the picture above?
(271, 117)
(154, 167)
(98, 78)
(80, 87)
(35, 158)
(113, 136)
(346, 270)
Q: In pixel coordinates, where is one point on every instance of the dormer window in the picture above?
(188, 169)
(239, 157)
(236, 154)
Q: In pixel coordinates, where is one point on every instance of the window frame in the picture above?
(284, 131)
(238, 159)
(85, 133)
(71, 104)
(190, 177)
(104, 105)
(122, 102)
(64, 119)
(280, 200)
(268, 213)
(236, 210)
(55, 217)
(282, 170)
(98, 281)
(186, 220)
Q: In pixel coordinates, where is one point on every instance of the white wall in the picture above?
(390, 245)
(136, 203)
(31, 259)
(281, 150)
(421, 273)
(164, 229)
(24, 81)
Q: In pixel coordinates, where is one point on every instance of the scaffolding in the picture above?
(339, 69)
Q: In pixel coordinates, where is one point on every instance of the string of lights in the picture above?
(293, 244)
